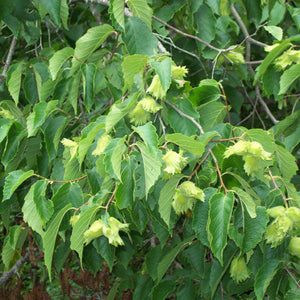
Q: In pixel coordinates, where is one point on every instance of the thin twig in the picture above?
(76, 118)
(110, 199)
(199, 165)
(95, 13)
(9, 58)
(293, 278)
(277, 188)
(163, 127)
(60, 181)
(14, 270)
(244, 29)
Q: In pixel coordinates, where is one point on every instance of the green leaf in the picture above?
(163, 289)
(118, 11)
(148, 133)
(166, 197)
(13, 80)
(74, 91)
(88, 75)
(141, 9)
(80, 227)
(118, 112)
(152, 166)
(211, 114)
(89, 42)
(50, 235)
(163, 69)
(64, 13)
(88, 137)
(4, 128)
(15, 135)
(185, 126)
(53, 7)
(37, 210)
(286, 161)
(264, 276)
(13, 181)
(288, 77)
(206, 23)
(246, 200)
(204, 93)
(52, 134)
(125, 193)
(131, 65)
(270, 58)
(275, 31)
(37, 118)
(220, 210)
(117, 157)
(254, 228)
(139, 39)
(167, 260)
(261, 136)
(58, 59)
(187, 143)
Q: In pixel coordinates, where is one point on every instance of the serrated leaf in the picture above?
(166, 197)
(88, 75)
(74, 91)
(13, 80)
(270, 58)
(118, 11)
(220, 210)
(117, 156)
(288, 77)
(88, 137)
(148, 133)
(151, 164)
(254, 228)
(58, 59)
(275, 31)
(167, 260)
(37, 210)
(118, 111)
(13, 181)
(286, 161)
(125, 193)
(80, 227)
(131, 65)
(246, 200)
(52, 134)
(142, 10)
(264, 276)
(50, 235)
(163, 69)
(64, 13)
(37, 118)
(138, 38)
(187, 143)
(53, 7)
(89, 42)
(211, 114)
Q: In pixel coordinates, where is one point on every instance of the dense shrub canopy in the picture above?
(149, 149)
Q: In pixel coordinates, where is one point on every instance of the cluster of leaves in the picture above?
(119, 152)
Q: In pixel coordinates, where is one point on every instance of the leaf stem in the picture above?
(277, 188)
(111, 198)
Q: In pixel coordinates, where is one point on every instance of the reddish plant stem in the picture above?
(277, 188)
(199, 165)
(110, 199)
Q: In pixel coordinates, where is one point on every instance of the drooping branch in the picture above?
(60, 181)
(14, 270)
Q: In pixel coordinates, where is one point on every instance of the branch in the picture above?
(8, 59)
(202, 132)
(277, 188)
(14, 270)
(60, 181)
(244, 29)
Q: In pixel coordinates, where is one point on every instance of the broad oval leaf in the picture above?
(220, 210)
(58, 59)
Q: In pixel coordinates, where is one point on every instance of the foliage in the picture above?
(122, 144)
